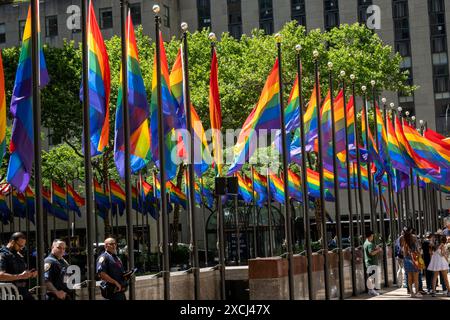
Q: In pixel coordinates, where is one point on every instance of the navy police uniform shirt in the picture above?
(55, 271)
(13, 262)
(112, 266)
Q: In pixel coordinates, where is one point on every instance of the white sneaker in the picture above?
(418, 295)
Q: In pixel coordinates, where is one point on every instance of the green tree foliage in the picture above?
(243, 68)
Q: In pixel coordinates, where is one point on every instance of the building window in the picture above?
(166, 17)
(298, 11)
(106, 18)
(135, 11)
(234, 18)
(266, 16)
(21, 28)
(402, 44)
(51, 26)
(2, 33)
(204, 14)
(362, 10)
(438, 38)
(331, 12)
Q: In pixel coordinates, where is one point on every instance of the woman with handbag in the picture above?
(410, 250)
(439, 263)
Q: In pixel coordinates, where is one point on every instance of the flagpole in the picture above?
(158, 224)
(220, 214)
(380, 190)
(126, 132)
(415, 220)
(368, 163)
(37, 146)
(355, 181)
(320, 170)
(349, 190)
(358, 165)
(191, 176)
(287, 207)
(238, 236)
(399, 193)
(74, 230)
(304, 176)
(269, 214)
(419, 215)
(68, 221)
(87, 154)
(165, 222)
(391, 205)
(337, 207)
(205, 235)
(255, 250)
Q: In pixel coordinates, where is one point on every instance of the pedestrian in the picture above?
(13, 266)
(371, 252)
(111, 272)
(410, 247)
(439, 264)
(55, 273)
(427, 250)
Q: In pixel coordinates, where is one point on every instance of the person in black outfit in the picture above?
(110, 270)
(13, 267)
(55, 273)
(427, 248)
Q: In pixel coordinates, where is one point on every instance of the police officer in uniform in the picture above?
(13, 267)
(55, 268)
(111, 271)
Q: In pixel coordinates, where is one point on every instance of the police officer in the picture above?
(111, 271)
(55, 268)
(13, 267)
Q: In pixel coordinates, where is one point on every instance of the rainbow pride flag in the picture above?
(339, 122)
(59, 195)
(117, 196)
(295, 186)
(314, 184)
(382, 141)
(101, 197)
(245, 188)
(423, 166)
(139, 112)
(19, 204)
(311, 121)
(276, 187)
(74, 200)
(170, 120)
(99, 83)
(265, 115)
(427, 149)
(260, 187)
(207, 195)
(22, 145)
(201, 151)
(53, 208)
(176, 195)
(351, 137)
(397, 160)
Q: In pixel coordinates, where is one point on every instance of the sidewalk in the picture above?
(394, 293)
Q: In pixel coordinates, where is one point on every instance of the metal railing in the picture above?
(8, 291)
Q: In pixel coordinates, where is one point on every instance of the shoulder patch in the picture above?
(101, 259)
(47, 267)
